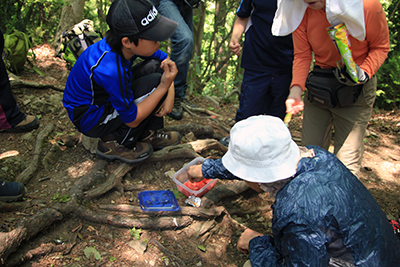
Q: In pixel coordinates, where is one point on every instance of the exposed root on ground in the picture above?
(17, 82)
(27, 174)
(79, 204)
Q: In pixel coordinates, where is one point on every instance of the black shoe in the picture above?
(159, 140)
(188, 104)
(176, 112)
(111, 150)
(26, 125)
(12, 191)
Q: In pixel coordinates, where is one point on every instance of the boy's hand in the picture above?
(165, 108)
(195, 174)
(244, 240)
(170, 71)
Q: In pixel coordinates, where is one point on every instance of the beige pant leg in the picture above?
(247, 264)
(317, 124)
(349, 124)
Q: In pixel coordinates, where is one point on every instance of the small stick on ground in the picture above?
(166, 251)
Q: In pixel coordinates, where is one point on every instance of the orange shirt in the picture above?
(312, 36)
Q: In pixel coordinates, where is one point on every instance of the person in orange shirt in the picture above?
(369, 38)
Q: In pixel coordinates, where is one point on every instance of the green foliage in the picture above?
(201, 247)
(62, 199)
(90, 250)
(40, 18)
(388, 92)
(214, 70)
(177, 194)
(37, 18)
(135, 233)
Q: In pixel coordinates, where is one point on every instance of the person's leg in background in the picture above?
(262, 94)
(350, 124)
(277, 95)
(182, 48)
(11, 117)
(253, 94)
(317, 124)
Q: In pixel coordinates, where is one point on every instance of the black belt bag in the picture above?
(323, 87)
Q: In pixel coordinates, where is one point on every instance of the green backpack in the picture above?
(16, 48)
(75, 40)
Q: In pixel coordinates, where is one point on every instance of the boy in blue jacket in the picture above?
(322, 215)
(123, 105)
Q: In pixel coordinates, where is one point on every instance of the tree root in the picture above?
(185, 211)
(154, 223)
(26, 229)
(27, 174)
(219, 192)
(173, 152)
(199, 131)
(43, 249)
(206, 144)
(190, 110)
(113, 180)
(29, 226)
(17, 82)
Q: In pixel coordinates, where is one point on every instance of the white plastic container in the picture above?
(181, 177)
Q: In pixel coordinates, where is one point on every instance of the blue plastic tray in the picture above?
(159, 200)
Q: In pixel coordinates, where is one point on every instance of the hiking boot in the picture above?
(162, 139)
(26, 125)
(225, 141)
(12, 191)
(188, 104)
(176, 112)
(111, 150)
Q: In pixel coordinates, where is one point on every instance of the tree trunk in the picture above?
(198, 30)
(220, 20)
(71, 14)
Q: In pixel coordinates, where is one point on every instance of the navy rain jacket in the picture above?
(323, 217)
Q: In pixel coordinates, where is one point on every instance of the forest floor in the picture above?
(215, 245)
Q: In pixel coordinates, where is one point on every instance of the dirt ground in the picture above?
(216, 247)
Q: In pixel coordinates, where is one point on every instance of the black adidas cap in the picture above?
(141, 18)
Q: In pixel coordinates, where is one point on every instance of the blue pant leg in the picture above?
(263, 94)
(277, 95)
(252, 94)
(10, 114)
(182, 41)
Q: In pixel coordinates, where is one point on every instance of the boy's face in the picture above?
(145, 48)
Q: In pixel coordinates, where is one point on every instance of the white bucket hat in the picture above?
(261, 150)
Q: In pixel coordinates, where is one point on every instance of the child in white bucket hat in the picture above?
(261, 150)
(322, 215)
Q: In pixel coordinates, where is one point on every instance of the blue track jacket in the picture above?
(95, 81)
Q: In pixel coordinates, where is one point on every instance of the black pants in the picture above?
(146, 77)
(10, 114)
